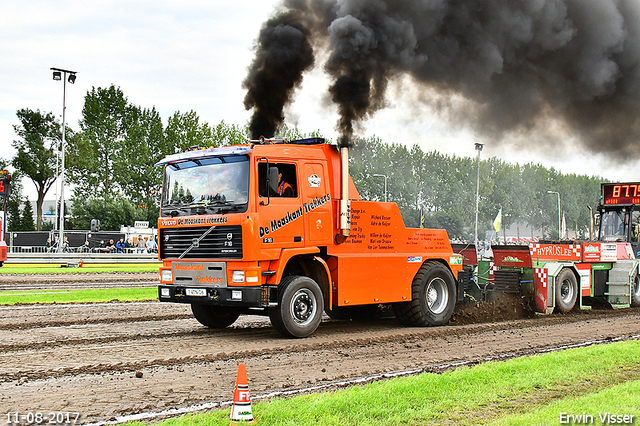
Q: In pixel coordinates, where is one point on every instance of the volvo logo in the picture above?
(195, 243)
(229, 236)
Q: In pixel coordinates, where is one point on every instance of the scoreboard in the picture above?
(620, 193)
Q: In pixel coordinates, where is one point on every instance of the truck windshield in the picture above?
(614, 226)
(206, 185)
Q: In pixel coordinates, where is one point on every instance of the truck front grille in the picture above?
(222, 242)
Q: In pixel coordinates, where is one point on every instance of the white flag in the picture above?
(563, 231)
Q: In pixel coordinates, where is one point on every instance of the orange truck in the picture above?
(278, 228)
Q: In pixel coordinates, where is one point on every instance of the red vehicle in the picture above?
(563, 275)
(5, 190)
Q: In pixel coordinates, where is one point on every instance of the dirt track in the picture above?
(109, 360)
(76, 280)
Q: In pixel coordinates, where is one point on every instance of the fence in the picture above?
(79, 242)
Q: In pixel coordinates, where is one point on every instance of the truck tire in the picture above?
(635, 290)
(214, 316)
(566, 291)
(300, 307)
(433, 297)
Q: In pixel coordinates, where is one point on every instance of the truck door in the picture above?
(316, 203)
(280, 213)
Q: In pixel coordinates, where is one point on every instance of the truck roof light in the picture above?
(309, 141)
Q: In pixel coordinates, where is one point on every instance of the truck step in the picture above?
(620, 305)
(619, 300)
(618, 286)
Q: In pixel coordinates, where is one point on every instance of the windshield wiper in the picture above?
(173, 211)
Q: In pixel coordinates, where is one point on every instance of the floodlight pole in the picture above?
(479, 147)
(72, 79)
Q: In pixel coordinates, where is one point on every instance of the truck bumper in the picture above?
(225, 296)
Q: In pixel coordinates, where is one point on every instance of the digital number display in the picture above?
(621, 193)
(4, 186)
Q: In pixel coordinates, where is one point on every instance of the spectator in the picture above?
(65, 245)
(111, 247)
(151, 245)
(141, 245)
(47, 245)
(84, 248)
(120, 246)
(54, 246)
(128, 245)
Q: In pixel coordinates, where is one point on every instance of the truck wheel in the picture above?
(300, 305)
(433, 297)
(566, 291)
(635, 290)
(214, 316)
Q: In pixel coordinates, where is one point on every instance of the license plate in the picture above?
(196, 292)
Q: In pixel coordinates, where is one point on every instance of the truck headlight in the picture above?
(237, 276)
(164, 292)
(166, 275)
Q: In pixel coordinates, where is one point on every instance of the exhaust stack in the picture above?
(344, 212)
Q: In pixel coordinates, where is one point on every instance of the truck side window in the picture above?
(635, 226)
(282, 180)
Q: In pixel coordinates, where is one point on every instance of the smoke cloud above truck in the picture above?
(515, 64)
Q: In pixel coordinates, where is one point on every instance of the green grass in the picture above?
(524, 391)
(86, 268)
(134, 294)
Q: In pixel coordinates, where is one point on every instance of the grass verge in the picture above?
(532, 390)
(133, 294)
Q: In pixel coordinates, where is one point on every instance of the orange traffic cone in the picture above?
(241, 409)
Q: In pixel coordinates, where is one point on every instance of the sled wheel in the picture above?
(566, 291)
(635, 290)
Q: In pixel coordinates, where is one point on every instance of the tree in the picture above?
(36, 157)
(184, 130)
(139, 179)
(111, 211)
(26, 219)
(93, 157)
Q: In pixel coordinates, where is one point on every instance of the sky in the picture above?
(194, 55)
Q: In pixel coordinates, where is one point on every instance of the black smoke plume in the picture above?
(284, 52)
(517, 63)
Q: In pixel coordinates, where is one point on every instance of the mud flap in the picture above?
(544, 278)
(463, 283)
(584, 290)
